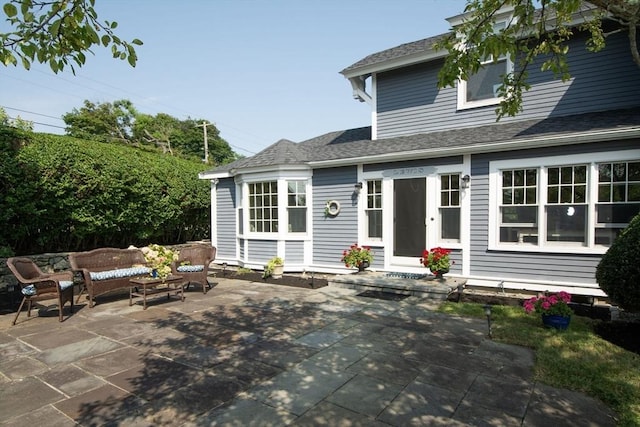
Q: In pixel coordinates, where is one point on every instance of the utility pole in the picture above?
(206, 142)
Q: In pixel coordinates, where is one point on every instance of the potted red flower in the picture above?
(356, 256)
(437, 261)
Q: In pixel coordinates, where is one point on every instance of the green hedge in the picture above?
(65, 194)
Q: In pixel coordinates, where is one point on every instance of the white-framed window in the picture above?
(481, 88)
(373, 211)
(566, 207)
(575, 203)
(297, 206)
(271, 206)
(263, 207)
(618, 198)
(519, 206)
(449, 208)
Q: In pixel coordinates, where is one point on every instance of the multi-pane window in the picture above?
(450, 207)
(373, 211)
(566, 207)
(297, 206)
(518, 206)
(577, 205)
(263, 207)
(618, 199)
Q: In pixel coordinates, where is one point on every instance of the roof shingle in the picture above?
(353, 143)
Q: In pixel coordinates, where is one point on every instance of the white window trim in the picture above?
(283, 232)
(463, 104)
(364, 193)
(541, 163)
(461, 192)
(307, 189)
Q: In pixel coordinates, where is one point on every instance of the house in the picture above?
(528, 202)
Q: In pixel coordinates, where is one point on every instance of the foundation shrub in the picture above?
(618, 272)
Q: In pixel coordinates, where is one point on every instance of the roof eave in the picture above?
(587, 12)
(213, 175)
(395, 63)
(255, 170)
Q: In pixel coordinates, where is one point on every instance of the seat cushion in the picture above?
(64, 284)
(190, 268)
(29, 291)
(119, 273)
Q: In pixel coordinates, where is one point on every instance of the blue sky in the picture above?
(260, 70)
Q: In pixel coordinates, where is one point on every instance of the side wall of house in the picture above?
(409, 102)
(333, 234)
(226, 220)
(523, 265)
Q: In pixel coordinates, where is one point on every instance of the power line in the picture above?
(110, 95)
(170, 107)
(37, 123)
(30, 112)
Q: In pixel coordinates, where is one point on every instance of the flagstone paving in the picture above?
(256, 354)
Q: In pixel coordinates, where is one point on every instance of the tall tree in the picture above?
(120, 121)
(104, 121)
(59, 33)
(531, 32)
(186, 136)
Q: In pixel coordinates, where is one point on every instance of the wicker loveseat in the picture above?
(107, 269)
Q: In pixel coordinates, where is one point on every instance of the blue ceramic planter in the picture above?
(555, 321)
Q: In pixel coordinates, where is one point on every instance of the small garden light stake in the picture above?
(487, 311)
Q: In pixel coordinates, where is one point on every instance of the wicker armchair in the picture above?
(193, 264)
(38, 286)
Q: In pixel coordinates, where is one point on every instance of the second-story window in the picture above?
(484, 84)
(482, 87)
(263, 207)
(374, 209)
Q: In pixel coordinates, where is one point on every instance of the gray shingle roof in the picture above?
(406, 49)
(425, 45)
(354, 143)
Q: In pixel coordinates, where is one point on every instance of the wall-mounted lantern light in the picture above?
(465, 181)
(358, 187)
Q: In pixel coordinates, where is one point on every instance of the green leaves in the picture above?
(525, 36)
(61, 32)
(10, 10)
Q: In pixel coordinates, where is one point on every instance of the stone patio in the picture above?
(255, 354)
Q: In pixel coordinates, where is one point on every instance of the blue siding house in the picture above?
(530, 202)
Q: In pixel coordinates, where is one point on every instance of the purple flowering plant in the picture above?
(554, 304)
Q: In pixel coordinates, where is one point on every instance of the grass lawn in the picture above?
(575, 359)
